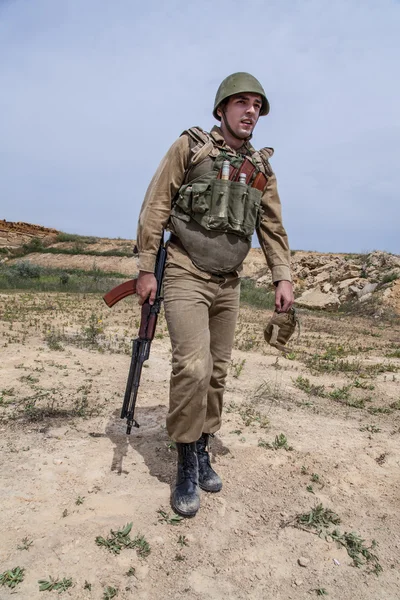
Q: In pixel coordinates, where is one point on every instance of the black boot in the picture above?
(208, 478)
(185, 497)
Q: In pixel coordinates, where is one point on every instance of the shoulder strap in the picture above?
(197, 134)
(261, 158)
(201, 145)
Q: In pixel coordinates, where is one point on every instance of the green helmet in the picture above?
(236, 83)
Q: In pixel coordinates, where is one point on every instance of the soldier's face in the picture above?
(242, 112)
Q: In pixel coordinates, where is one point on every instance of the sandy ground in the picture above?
(69, 472)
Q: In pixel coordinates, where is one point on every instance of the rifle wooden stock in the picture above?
(119, 292)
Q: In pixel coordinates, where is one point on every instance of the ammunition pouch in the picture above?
(220, 205)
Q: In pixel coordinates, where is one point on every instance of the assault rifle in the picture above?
(141, 345)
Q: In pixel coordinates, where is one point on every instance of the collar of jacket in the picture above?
(217, 136)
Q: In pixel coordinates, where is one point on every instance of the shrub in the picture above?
(91, 333)
(26, 269)
(34, 245)
(389, 277)
(256, 296)
(74, 237)
(64, 278)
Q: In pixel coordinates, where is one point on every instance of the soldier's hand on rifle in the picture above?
(284, 296)
(146, 287)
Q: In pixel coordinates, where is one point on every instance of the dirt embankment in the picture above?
(14, 235)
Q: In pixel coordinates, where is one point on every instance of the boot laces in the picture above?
(189, 464)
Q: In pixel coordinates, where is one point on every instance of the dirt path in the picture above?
(68, 478)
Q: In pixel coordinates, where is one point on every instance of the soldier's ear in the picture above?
(219, 112)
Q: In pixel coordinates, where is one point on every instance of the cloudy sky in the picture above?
(93, 92)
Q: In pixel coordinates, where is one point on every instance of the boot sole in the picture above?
(212, 491)
(183, 513)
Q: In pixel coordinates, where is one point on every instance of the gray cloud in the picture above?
(93, 93)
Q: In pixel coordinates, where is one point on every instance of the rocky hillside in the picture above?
(322, 281)
(325, 281)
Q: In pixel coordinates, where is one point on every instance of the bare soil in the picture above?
(70, 473)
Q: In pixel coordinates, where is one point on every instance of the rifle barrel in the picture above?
(141, 345)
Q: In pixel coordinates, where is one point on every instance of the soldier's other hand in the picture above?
(284, 296)
(146, 287)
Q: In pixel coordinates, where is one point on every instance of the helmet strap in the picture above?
(229, 128)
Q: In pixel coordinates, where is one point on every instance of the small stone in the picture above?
(57, 461)
(298, 582)
(365, 297)
(303, 561)
(314, 298)
(367, 289)
(347, 282)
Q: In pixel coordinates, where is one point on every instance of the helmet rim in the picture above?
(237, 83)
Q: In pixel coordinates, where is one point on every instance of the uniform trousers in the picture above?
(201, 316)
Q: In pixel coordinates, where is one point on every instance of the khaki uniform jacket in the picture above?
(156, 208)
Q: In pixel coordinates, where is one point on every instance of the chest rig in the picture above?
(219, 205)
(213, 218)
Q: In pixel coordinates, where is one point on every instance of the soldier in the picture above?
(211, 191)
